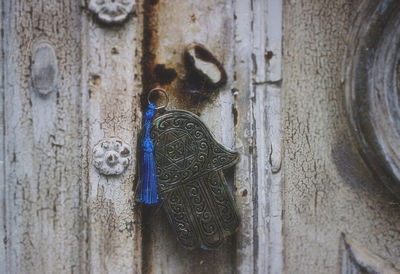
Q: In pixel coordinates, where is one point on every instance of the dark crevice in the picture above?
(149, 44)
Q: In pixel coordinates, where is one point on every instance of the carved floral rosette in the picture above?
(111, 156)
(111, 11)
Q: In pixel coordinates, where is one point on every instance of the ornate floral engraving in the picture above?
(179, 218)
(111, 11)
(111, 156)
(193, 189)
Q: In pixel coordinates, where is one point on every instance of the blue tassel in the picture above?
(148, 185)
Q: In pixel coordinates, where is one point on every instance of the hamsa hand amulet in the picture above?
(188, 164)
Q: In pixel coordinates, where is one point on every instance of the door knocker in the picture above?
(181, 165)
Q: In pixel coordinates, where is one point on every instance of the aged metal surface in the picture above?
(371, 83)
(190, 181)
(328, 188)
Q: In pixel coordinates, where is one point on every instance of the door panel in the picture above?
(74, 83)
(329, 190)
(41, 125)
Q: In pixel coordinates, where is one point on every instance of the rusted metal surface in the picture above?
(163, 62)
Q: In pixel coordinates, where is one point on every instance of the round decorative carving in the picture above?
(111, 156)
(111, 11)
(371, 77)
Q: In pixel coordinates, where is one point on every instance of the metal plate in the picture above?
(191, 184)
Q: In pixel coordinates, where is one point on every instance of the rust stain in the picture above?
(235, 115)
(205, 74)
(149, 46)
(191, 93)
(150, 43)
(95, 80)
(164, 75)
(114, 51)
(268, 56)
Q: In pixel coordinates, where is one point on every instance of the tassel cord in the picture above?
(148, 191)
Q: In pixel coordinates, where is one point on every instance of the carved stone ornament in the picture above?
(111, 156)
(371, 79)
(191, 184)
(111, 11)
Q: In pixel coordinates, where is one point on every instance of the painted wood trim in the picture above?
(258, 177)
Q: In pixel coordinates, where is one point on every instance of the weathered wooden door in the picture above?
(305, 90)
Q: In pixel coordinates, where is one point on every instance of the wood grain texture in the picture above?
(58, 214)
(244, 115)
(244, 141)
(111, 89)
(173, 25)
(328, 189)
(258, 180)
(3, 216)
(42, 140)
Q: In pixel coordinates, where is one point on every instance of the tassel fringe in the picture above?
(148, 185)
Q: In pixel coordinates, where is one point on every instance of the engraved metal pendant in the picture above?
(191, 184)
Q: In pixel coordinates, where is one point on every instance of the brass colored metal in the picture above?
(195, 196)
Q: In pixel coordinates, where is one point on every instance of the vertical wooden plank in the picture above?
(42, 136)
(258, 178)
(111, 100)
(245, 130)
(3, 216)
(266, 82)
(169, 28)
